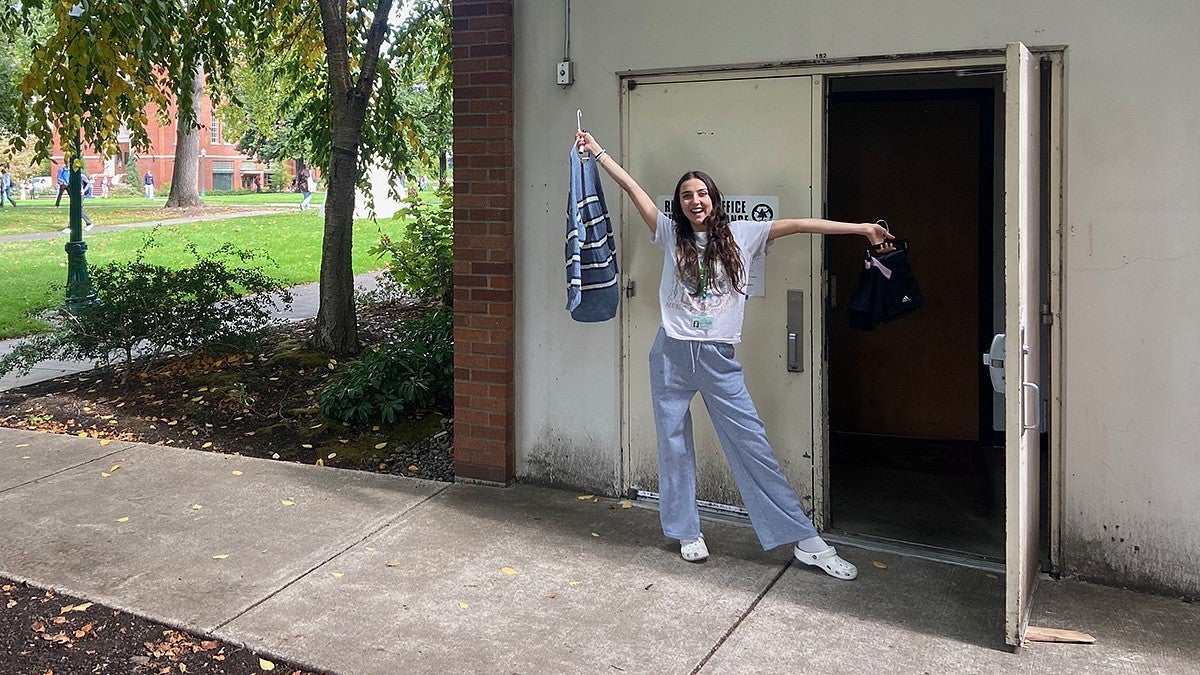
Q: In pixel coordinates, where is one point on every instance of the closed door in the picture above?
(754, 136)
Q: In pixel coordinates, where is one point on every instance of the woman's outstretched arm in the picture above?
(875, 233)
(641, 201)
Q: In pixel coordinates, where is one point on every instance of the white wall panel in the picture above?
(1132, 340)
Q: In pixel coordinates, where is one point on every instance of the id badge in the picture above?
(701, 321)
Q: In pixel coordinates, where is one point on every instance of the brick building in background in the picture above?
(222, 166)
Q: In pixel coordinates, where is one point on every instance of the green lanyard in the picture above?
(703, 281)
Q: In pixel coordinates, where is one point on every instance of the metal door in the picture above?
(755, 137)
(1022, 395)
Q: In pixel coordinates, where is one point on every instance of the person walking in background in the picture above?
(64, 183)
(6, 187)
(148, 183)
(85, 184)
(104, 186)
(305, 183)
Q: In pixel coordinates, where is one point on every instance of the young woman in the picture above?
(702, 296)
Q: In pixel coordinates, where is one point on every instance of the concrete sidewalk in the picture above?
(33, 236)
(363, 573)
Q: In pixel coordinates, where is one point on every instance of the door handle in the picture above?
(1037, 391)
(994, 360)
(795, 331)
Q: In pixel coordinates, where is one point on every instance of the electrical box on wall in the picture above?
(566, 73)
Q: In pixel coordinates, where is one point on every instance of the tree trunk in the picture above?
(337, 320)
(184, 187)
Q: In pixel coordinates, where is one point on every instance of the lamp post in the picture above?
(200, 172)
(80, 293)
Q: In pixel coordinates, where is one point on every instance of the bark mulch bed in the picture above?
(46, 633)
(256, 403)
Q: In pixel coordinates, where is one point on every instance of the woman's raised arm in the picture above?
(641, 201)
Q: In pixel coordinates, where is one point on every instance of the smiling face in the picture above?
(695, 201)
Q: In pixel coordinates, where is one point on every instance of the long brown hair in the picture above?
(722, 251)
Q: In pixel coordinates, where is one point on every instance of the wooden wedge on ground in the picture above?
(1039, 634)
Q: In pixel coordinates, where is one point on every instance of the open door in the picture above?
(1022, 394)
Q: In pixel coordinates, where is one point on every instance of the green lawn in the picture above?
(31, 269)
(43, 216)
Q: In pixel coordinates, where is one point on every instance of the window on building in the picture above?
(214, 129)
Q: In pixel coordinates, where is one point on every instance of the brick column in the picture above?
(483, 240)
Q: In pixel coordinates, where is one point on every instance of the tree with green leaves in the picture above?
(354, 61)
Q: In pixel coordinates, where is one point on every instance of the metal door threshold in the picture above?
(919, 551)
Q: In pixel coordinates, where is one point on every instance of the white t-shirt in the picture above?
(717, 315)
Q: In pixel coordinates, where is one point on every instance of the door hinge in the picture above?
(630, 289)
(1047, 315)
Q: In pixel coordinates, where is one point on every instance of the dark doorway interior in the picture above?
(913, 452)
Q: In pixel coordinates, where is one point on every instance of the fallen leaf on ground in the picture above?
(595, 535)
(206, 445)
(105, 441)
(265, 664)
(123, 520)
(236, 473)
(413, 467)
(992, 576)
(380, 446)
(508, 570)
(880, 565)
(626, 504)
(275, 456)
(220, 556)
(114, 468)
(320, 462)
(104, 475)
(306, 445)
(393, 563)
(286, 502)
(196, 507)
(332, 455)
(339, 575)
(574, 583)
(21, 445)
(583, 497)
(463, 605)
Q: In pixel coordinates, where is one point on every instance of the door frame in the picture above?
(820, 70)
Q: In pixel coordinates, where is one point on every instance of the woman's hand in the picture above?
(584, 140)
(877, 235)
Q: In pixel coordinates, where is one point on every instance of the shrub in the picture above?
(132, 176)
(146, 309)
(399, 379)
(422, 260)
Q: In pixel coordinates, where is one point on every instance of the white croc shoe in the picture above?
(828, 560)
(694, 550)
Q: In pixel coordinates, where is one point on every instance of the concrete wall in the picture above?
(1132, 378)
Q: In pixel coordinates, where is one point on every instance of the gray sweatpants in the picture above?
(678, 370)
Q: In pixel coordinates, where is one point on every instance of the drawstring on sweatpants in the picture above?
(695, 353)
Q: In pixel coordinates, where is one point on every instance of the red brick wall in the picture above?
(483, 240)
